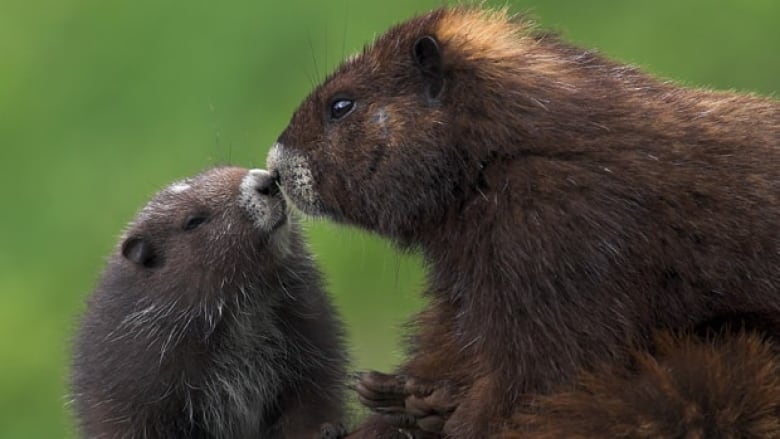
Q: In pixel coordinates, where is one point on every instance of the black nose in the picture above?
(268, 184)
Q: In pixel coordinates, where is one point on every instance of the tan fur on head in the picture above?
(726, 388)
(494, 41)
(483, 34)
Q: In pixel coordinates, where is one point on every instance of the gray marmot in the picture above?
(210, 321)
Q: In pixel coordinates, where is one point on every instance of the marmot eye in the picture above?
(193, 222)
(340, 108)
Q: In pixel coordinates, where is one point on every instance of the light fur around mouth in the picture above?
(267, 212)
(296, 178)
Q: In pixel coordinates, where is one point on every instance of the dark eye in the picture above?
(340, 108)
(193, 222)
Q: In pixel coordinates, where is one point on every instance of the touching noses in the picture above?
(266, 183)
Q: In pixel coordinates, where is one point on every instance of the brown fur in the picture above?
(724, 388)
(567, 206)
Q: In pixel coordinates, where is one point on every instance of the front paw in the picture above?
(408, 402)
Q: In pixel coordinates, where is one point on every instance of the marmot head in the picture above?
(382, 142)
(205, 233)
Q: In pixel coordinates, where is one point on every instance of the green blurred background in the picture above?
(103, 102)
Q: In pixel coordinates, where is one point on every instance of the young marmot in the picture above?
(210, 321)
(567, 206)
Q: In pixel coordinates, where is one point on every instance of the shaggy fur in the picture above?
(723, 388)
(210, 321)
(567, 206)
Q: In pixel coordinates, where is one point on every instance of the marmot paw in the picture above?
(408, 402)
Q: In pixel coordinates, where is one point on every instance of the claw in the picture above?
(381, 382)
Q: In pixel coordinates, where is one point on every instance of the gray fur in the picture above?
(227, 333)
(301, 182)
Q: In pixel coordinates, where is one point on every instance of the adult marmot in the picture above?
(567, 206)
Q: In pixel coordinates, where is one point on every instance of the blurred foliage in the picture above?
(104, 102)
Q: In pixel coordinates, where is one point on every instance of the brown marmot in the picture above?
(567, 206)
(210, 321)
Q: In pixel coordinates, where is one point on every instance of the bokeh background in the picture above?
(103, 102)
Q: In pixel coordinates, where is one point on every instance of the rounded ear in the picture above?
(427, 55)
(139, 251)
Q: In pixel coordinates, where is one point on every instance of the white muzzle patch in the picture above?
(265, 211)
(296, 179)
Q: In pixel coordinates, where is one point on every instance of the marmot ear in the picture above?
(139, 251)
(427, 55)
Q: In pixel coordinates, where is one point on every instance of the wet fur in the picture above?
(567, 206)
(229, 334)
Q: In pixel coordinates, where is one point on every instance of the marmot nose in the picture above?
(266, 183)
